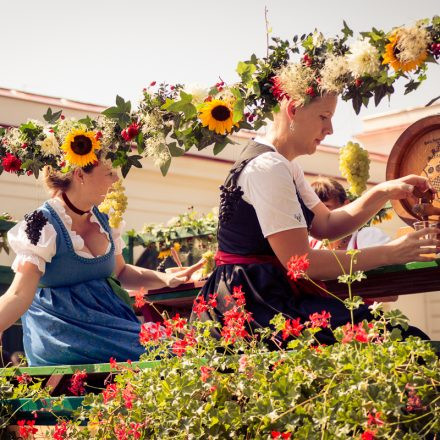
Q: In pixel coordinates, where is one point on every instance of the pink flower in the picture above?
(242, 363)
(139, 300)
(206, 372)
(320, 319)
(129, 396)
(292, 327)
(11, 163)
(110, 392)
(77, 383)
(297, 266)
(374, 419)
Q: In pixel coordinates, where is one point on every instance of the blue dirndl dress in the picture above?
(75, 317)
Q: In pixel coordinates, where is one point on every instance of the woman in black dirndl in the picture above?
(268, 209)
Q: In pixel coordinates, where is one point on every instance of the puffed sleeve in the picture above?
(33, 240)
(267, 184)
(117, 238)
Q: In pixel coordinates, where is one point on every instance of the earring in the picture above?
(292, 126)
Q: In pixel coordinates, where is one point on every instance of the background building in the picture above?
(193, 179)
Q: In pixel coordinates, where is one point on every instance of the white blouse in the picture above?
(268, 184)
(45, 249)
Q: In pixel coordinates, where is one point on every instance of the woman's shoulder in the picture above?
(268, 162)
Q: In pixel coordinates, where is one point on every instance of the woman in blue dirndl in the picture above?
(72, 311)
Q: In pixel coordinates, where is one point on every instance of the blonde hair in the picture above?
(57, 181)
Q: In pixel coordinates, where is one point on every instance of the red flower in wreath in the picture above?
(11, 163)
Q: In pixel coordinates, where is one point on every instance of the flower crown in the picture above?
(171, 119)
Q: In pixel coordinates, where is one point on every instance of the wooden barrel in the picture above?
(417, 151)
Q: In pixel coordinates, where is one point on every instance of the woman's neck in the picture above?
(74, 203)
(280, 140)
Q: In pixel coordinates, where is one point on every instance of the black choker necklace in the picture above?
(72, 206)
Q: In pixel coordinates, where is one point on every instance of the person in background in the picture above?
(333, 195)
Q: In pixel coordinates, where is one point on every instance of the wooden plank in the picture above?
(72, 369)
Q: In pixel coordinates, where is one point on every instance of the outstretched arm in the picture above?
(19, 296)
(349, 218)
(134, 277)
(324, 265)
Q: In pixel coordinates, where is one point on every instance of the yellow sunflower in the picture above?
(217, 116)
(391, 56)
(80, 147)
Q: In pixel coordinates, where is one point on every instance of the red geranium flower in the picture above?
(77, 383)
(24, 378)
(368, 435)
(297, 266)
(320, 319)
(200, 306)
(292, 327)
(60, 432)
(11, 163)
(26, 429)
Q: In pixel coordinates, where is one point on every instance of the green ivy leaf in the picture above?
(238, 111)
(121, 112)
(165, 167)
(175, 151)
(50, 117)
(346, 30)
(87, 121)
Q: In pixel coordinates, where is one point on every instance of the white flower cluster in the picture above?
(334, 74)
(294, 80)
(363, 58)
(107, 127)
(49, 145)
(13, 139)
(412, 43)
(198, 92)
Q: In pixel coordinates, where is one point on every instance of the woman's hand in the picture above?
(179, 275)
(410, 247)
(405, 186)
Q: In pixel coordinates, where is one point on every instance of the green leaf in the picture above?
(50, 117)
(346, 30)
(238, 111)
(175, 151)
(87, 121)
(219, 146)
(165, 167)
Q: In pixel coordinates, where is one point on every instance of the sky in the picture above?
(92, 50)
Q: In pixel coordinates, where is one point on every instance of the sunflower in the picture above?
(392, 57)
(80, 146)
(217, 115)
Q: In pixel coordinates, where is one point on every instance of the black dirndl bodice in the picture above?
(266, 286)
